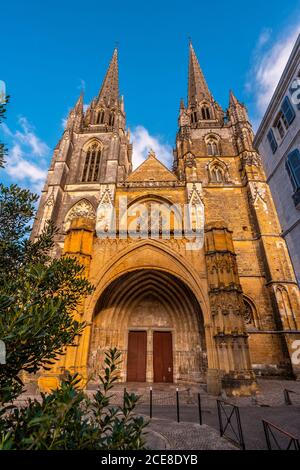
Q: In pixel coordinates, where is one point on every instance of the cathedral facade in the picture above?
(222, 310)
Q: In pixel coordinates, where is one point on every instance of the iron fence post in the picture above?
(177, 405)
(199, 409)
(150, 402)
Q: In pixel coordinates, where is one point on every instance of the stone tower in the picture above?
(93, 154)
(219, 313)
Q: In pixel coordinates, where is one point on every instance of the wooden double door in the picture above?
(162, 356)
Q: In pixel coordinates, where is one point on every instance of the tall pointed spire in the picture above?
(79, 105)
(232, 99)
(109, 91)
(197, 87)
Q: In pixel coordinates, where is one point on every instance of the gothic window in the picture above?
(212, 146)
(100, 117)
(194, 117)
(91, 167)
(111, 119)
(250, 315)
(217, 174)
(205, 112)
(82, 208)
(217, 171)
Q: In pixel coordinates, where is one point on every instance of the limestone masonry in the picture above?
(221, 314)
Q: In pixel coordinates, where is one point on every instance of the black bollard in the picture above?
(287, 397)
(177, 404)
(199, 409)
(150, 402)
(124, 393)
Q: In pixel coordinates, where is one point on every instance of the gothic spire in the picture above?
(109, 91)
(79, 105)
(232, 99)
(197, 86)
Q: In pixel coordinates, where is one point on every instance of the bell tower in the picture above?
(214, 154)
(91, 158)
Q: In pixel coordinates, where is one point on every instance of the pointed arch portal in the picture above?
(156, 321)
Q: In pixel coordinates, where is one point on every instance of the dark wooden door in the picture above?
(136, 359)
(162, 356)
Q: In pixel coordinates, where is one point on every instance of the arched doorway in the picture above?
(153, 317)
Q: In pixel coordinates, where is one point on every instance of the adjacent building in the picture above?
(220, 313)
(278, 142)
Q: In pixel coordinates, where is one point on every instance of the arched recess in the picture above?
(154, 213)
(250, 313)
(217, 171)
(150, 254)
(157, 266)
(82, 208)
(285, 308)
(206, 111)
(150, 301)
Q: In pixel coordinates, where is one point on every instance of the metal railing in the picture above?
(230, 423)
(279, 439)
(287, 398)
(177, 405)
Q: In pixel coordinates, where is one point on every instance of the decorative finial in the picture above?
(151, 153)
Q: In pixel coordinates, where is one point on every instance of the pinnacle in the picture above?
(109, 91)
(197, 86)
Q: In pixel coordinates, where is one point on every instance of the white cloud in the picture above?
(28, 138)
(143, 141)
(64, 122)
(26, 151)
(269, 59)
(264, 37)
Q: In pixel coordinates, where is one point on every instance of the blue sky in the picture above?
(53, 48)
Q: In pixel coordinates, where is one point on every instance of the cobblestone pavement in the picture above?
(287, 418)
(267, 404)
(166, 434)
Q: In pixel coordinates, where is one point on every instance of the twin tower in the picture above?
(223, 313)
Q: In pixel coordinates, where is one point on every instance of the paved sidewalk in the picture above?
(270, 393)
(267, 404)
(166, 434)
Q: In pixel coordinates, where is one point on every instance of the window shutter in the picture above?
(293, 168)
(294, 159)
(288, 110)
(272, 140)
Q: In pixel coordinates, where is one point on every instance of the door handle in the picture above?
(169, 369)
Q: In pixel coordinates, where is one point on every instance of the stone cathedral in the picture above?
(222, 314)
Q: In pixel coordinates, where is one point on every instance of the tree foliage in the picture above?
(38, 294)
(67, 419)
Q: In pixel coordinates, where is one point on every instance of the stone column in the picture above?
(235, 374)
(149, 365)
